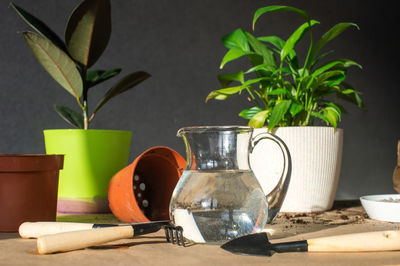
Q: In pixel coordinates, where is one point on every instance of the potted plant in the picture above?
(290, 96)
(92, 157)
(28, 188)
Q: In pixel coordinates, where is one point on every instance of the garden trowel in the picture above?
(258, 244)
(60, 237)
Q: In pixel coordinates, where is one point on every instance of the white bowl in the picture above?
(381, 210)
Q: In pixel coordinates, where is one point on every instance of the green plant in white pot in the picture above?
(92, 157)
(289, 96)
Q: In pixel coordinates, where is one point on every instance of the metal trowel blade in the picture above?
(255, 244)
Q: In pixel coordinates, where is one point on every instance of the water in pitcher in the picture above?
(215, 206)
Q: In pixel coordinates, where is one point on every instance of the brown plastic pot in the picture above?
(159, 169)
(28, 189)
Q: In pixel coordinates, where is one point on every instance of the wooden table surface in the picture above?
(153, 250)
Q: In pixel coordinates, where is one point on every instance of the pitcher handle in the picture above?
(277, 195)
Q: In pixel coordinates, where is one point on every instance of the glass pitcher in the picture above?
(218, 197)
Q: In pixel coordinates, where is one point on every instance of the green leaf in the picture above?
(278, 113)
(295, 109)
(279, 91)
(236, 40)
(94, 77)
(335, 81)
(56, 62)
(217, 96)
(123, 85)
(339, 62)
(278, 43)
(258, 120)
(223, 94)
(328, 36)
(296, 37)
(257, 68)
(69, 115)
(226, 79)
(276, 8)
(262, 50)
(328, 76)
(88, 31)
(320, 57)
(250, 112)
(39, 27)
(274, 40)
(331, 116)
(232, 54)
(350, 95)
(335, 107)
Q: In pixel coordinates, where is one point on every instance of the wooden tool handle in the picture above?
(82, 239)
(37, 229)
(371, 241)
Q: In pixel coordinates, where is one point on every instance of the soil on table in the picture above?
(343, 212)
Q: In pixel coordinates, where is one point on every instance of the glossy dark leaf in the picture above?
(278, 113)
(236, 40)
(276, 8)
(88, 31)
(39, 26)
(56, 62)
(250, 112)
(94, 77)
(123, 85)
(69, 115)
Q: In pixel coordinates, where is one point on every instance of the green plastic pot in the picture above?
(92, 157)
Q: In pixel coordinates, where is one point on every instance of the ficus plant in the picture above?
(87, 33)
(283, 90)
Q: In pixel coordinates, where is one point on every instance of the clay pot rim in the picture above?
(30, 162)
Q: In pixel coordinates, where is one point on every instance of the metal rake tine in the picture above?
(179, 236)
(169, 235)
(166, 234)
(171, 229)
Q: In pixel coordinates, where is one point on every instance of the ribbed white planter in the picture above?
(316, 154)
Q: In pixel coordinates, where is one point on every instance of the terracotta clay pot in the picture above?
(28, 189)
(142, 191)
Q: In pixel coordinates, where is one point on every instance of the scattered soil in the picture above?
(342, 213)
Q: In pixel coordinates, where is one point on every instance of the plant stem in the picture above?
(85, 101)
(309, 50)
(85, 115)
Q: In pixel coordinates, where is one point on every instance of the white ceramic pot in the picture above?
(316, 154)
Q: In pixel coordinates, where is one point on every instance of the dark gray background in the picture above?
(179, 43)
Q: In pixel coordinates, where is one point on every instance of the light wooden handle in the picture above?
(82, 239)
(37, 229)
(371, 241)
